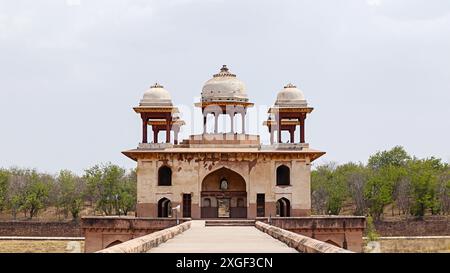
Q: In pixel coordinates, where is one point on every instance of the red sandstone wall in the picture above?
(342, 231)
(436, 226)
(101, 232)
(40, 229)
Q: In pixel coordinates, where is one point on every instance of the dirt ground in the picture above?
(35, 246)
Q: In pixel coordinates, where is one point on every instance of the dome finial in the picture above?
(224, 72)
(290, 85)
(156, 85)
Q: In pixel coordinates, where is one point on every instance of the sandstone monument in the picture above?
(224, 174)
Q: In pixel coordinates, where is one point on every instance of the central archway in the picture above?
(223, 195)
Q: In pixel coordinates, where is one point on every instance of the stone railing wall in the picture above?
(145, 243)
(299, 242)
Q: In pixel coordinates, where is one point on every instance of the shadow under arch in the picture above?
(283, 207)
(164, 207)
(226, 191)
(331, 242)
(116, 242)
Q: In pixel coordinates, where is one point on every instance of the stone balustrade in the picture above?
(299, 242)
(145, 243)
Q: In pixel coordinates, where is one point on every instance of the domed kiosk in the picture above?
(289, 111)
(224, 94)
(224, 86)
(156, 96)
(290, 96)
(156, 110)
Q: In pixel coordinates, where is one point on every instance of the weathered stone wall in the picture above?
(259, 174)
(342, 231)
(102, 232)
(299, 242)
(430, 226)
(145, 243)
(40, 229)
(410, 244)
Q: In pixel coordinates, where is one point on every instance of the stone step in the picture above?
(229, 222)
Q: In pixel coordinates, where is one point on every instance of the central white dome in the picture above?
(156, 96)
(224, 86)
(290, 96)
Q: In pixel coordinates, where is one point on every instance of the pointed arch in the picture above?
(283, 207)
(164, 176)
(164, 207)
(224, 194)
(283, 175)
(212, 181)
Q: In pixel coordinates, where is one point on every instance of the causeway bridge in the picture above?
(222, 239)
(224, 236)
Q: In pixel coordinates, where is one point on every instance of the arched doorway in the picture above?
(223, 195)
(283, 207)
(164, 208)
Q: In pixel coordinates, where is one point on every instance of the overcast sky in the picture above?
(377, 72)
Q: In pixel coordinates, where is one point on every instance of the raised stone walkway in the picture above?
(218, 239)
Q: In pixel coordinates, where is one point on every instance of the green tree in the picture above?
(372, 234)
(104, 185)
(71, 193)
(17, 188)
(396, 156)
(356, 176)
(4, 178)
(319, 194)
(127, 193)
(36, 193)
(423, 174)
(444, 190)
(328, 187)
(380, 187)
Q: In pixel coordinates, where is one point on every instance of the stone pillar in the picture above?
(271, 129)
(291, 132)
(168, 125)
(243, 122)
(204, 122)
(302, 130)
(278, 119)
(232, 122)
(144, 129)
(175, 135)
(216, 123)
(155, 134)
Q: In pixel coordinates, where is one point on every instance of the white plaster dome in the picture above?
(156, 96)
(291, 96)
(224, 86)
